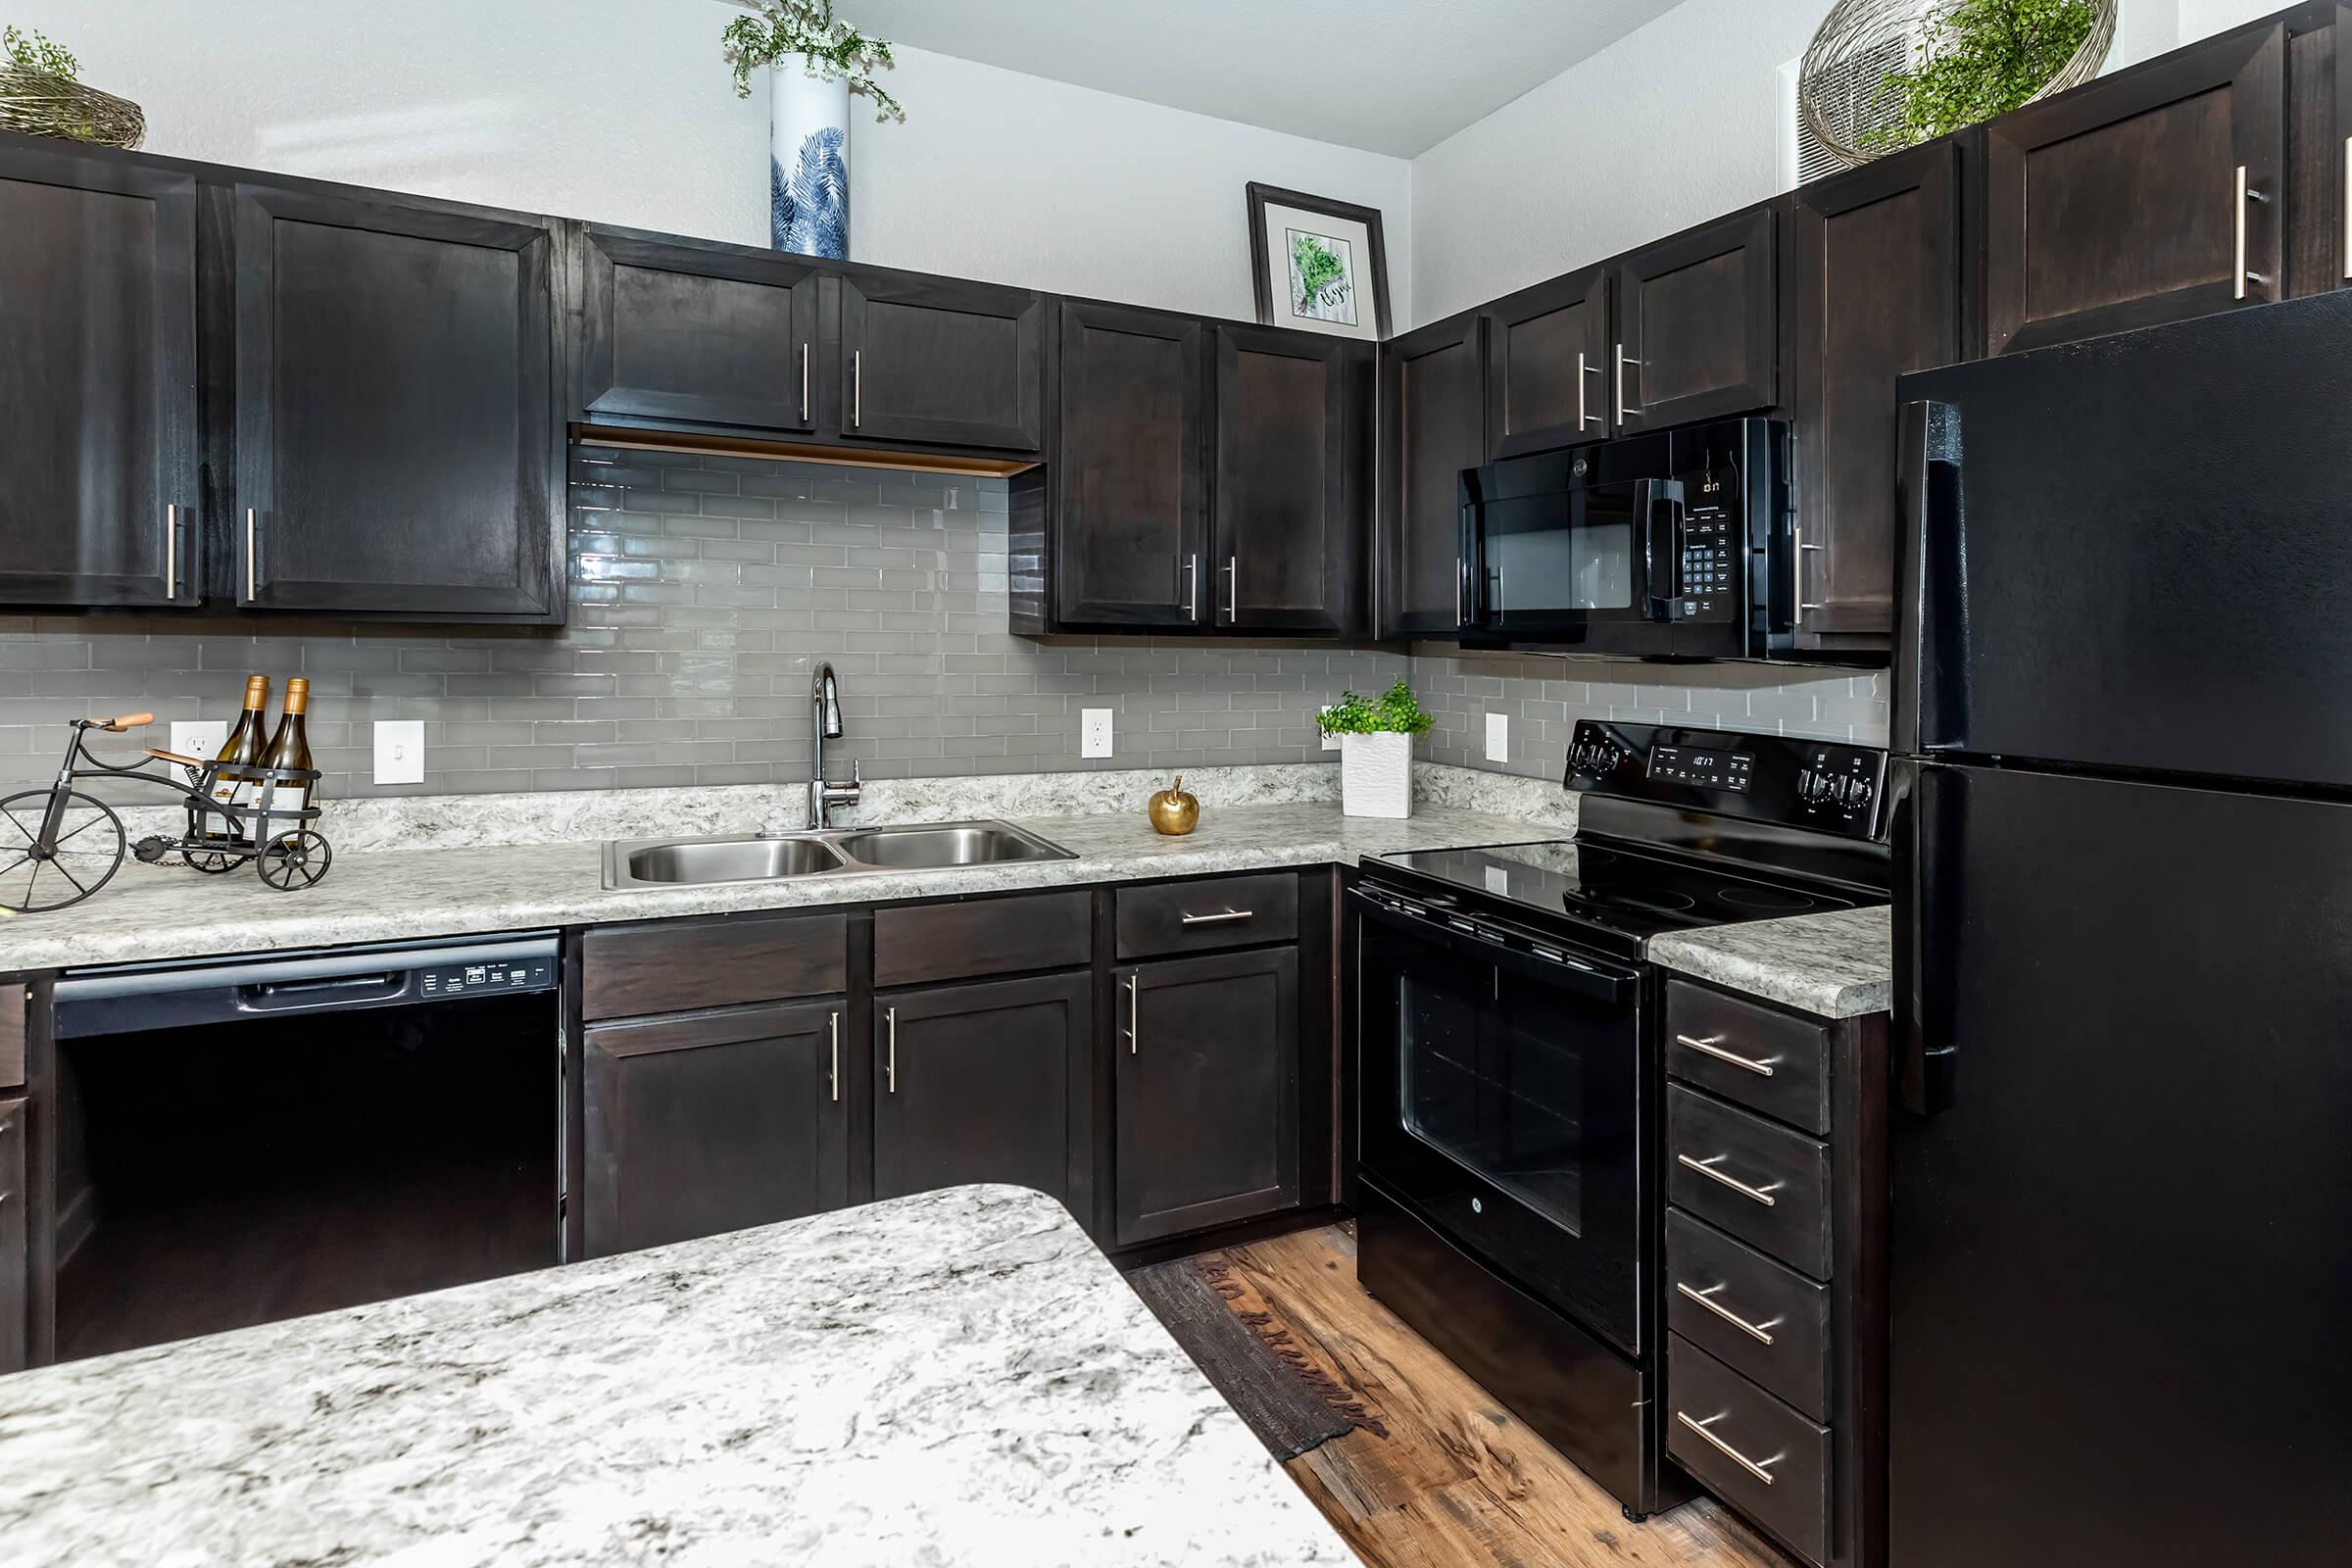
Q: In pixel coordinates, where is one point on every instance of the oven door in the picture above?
(1501, 1097)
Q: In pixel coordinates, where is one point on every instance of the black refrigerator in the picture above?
(2121, 1206)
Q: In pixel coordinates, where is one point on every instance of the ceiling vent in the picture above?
(1856, 100)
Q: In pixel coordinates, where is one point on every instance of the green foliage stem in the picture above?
(35, 52)
(1395, 713)
(832, 48)
(1978, 58)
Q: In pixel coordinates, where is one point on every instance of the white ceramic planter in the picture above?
(1376, 775)
(807, 162)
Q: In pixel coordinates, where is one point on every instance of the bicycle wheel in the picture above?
(294, 859)
(88, 852)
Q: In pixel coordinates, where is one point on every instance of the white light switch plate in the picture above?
(199, 737)
(1498, 737)
(1094, 732)
(400, 751)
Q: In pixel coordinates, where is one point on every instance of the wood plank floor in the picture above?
(1457, 1481)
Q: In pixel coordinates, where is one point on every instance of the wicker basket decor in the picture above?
(39, 104)
(1838, 86)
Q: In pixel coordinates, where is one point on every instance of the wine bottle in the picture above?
(244, 747)
(290, 747)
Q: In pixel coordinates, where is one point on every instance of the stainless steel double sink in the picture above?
(832, 852)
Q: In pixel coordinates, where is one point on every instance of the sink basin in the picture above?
(843, 852)
(731, 860)
(926, 849)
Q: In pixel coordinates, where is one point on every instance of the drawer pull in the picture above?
(1220, 918)
(1759, 1332)
(1712, 1045)
(1753, 1467)
(1707, 1168)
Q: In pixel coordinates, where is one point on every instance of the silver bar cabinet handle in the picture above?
(1582, 370)
(1706, 1168)
(1797, 533)
(835, 1075)
(1218, 918)
(1712, 1045)
(1233, 587)
(2348, 205)
(804, 383)
(1706, 1299)
(2246, 193)
(1624, 412)
(890, 1061)
(1135, 1010)
(1192, 586)
(1755, 1467)
(170, 550)
(856, 388)
(249, 524)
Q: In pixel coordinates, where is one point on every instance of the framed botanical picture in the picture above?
(1320, 266)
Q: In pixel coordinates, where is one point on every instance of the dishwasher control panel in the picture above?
(470, 979)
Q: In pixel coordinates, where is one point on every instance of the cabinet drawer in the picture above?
(1756, 1179)
(1765, 1321)
(1766, 1060)
(925, 941)
(1715, 1419)
(12, 1036)
(679, 965)
(1234, 911)
(15, 1280)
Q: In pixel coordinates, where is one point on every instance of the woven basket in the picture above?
(1856, 30)
(42, 105)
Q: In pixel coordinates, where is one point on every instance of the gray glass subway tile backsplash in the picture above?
(705, 588)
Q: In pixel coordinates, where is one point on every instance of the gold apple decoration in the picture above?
(1172, 811)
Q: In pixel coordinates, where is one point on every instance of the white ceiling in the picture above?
(1392, 76)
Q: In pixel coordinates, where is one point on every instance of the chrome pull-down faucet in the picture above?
(824, 697)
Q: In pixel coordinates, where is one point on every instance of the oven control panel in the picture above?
(1821, 785)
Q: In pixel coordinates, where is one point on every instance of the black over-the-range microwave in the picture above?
(1655, 546)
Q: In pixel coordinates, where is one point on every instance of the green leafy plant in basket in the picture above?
(1396, 712)
(1978, 58)
(35, 52)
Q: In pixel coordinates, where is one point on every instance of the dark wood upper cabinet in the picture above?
(712, 1121)
(397, 437)
(1874, 293)
(2152, 195)
(100, 487)
(987, 1082)
(1550, 364)
(1696, 319)
(1207, 1095)
(1433, 412)
(1286, 552)
(939, 360)
(2319, 149)
(696, 333)
(1131, 476)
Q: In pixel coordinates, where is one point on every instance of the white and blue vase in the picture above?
(809, 163)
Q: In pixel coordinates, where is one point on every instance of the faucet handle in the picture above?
(856, 773)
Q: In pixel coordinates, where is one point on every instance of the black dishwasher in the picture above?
(254, 1140)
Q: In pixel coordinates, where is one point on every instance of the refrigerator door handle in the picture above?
(1929, 572)
(1926, 805)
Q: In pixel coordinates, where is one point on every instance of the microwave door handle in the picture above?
(1658, 503)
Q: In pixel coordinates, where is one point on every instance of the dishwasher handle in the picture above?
(276, 996)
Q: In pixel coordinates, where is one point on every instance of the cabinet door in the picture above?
(1131, 512)
(984, 1083)
(16, 1270)
(1696, 319)
(939, 360)
(98, 466)
(1207, 1092)
(704, 1122)
(398, 445)
(706, 333)
(1548, 365)
(1433, 425)
(1287, 548)
(2150, 196)
(1874, 293)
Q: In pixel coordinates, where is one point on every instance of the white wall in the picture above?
(1674, 124)
(622, 111)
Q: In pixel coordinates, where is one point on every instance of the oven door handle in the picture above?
(1568, 972)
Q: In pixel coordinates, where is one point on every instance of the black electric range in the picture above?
(1509, 1070)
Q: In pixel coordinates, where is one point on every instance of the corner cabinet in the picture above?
(101, 489)
(398, 445)
(1433, 424)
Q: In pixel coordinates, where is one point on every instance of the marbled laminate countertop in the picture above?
(956, 1378)
(1839, 964)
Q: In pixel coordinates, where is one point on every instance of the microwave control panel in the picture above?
(1821, 785)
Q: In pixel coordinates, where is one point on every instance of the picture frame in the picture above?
(1313, 262)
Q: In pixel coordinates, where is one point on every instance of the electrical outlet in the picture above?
(1094, 732)
(1331, 742)
(400, 751)
(1498, 737)
(199, 737)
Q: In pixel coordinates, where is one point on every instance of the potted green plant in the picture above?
(1376, 750)
(814, 62)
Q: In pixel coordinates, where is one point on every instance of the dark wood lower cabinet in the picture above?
(15, 1275)
(987, 1082)
(1207, 1092)
(712, 1121)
